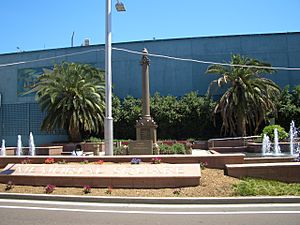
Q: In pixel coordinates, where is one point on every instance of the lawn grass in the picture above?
(256, 187)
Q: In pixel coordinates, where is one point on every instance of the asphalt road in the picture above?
(27, 212)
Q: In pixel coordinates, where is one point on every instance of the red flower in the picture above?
(109, 190)
(49, 161)
(100, 162)
(156, 160)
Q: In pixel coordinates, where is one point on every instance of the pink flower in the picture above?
(49, 188)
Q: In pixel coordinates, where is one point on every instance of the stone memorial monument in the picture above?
(145, 126)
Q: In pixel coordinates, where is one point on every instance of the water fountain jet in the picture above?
(19, 146)
(276, 143)
(3, 149)
(266, 145)
(31, 145)
(293, 134)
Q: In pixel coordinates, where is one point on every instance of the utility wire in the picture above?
(52, 57)
(153, 55)
(208, 62)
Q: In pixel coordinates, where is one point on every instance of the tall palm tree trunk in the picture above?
(74, 134)
(241, 126)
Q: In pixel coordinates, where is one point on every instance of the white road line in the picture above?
(150, 212)
(156, 206)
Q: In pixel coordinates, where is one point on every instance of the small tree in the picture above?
(73, 97)
(248, 97)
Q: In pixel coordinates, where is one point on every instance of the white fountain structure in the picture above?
(19, 146)
(266, 145)
(31, 145)
(3, 149)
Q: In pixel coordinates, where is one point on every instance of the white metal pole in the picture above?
(108, 121)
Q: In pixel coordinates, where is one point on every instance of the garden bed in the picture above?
(213, 184)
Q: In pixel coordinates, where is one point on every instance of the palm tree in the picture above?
(248, 97)
(73, 97)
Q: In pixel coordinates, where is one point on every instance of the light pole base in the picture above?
(108, 135)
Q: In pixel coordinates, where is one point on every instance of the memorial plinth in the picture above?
(118, 176)
(145, 126)
(146, 129)
(141, 147)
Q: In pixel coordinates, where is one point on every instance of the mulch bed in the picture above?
(213, 183)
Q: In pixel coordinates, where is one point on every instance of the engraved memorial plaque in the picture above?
(145, 134)
(141, 147)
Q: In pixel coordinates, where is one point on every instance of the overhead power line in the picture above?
(152, 55)
(208, 62)
(49, 58)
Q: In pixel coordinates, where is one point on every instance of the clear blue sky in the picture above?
(38, 24)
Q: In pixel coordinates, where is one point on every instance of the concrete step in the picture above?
(229, 149)
(283, 171)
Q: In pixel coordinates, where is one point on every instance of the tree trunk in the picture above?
(240, 126)
(257, 125)
(74, 134)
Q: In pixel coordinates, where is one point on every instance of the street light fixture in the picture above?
(120, 7)
(108, 121)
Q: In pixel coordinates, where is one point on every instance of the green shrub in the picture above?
(178, 149)
(269, 130)
(125, 114)
(178, 118)
(289, 106)
(122, 150)
(165, 149)
(93, 139)
(174, 149)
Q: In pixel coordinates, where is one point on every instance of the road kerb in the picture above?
(152, 200)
